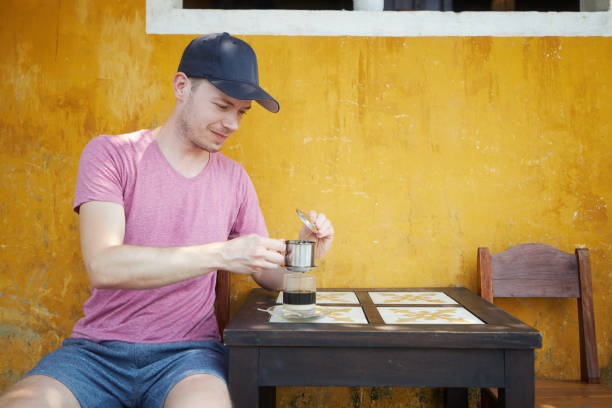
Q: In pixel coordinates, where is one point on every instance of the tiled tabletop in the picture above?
(425, 308)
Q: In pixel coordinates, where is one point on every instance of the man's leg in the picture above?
(199, 390)
(38, 391)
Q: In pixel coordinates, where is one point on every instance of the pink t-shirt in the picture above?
(162, 209)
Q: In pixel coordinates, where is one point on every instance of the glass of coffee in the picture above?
(299, 292)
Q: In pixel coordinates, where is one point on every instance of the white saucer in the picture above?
(280, 311)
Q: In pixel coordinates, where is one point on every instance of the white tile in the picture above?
(427, 315)
(339, 314)
(413, 298)
(337, 297)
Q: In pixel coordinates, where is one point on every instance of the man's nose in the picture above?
(231, 122)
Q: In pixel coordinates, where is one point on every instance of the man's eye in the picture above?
(222, 107)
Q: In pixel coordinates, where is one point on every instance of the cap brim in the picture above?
(245, 91)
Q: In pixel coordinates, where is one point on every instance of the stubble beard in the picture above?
(190, 135)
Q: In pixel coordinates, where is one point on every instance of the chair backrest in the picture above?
(222, 302)
(539, 270)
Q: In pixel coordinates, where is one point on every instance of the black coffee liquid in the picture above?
(299, 298)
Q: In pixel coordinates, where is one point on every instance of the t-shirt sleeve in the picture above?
(100, 174)
(250, 219)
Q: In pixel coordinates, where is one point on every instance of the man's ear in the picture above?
(181, 85)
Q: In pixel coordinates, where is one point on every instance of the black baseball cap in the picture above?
(229, 64)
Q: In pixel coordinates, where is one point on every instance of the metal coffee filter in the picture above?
(299, 256)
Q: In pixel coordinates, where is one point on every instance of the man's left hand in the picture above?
(324, 235)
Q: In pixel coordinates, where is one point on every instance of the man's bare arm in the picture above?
(111, 264)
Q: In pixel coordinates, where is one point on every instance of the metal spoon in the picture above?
(306, 221)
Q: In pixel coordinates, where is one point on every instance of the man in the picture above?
(160, 212)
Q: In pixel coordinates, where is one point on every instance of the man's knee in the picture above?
(38, 391)
(200, 390)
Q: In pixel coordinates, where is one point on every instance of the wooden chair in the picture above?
(538, 270)
(222, 302)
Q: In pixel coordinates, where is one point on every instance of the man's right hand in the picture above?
(252, 253)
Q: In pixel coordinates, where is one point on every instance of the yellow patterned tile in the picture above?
(415, 298)
(337, 297)
(427, 315)
(349, 314)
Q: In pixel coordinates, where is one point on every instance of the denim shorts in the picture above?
(118, 374)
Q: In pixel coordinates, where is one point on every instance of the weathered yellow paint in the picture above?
(419, 150)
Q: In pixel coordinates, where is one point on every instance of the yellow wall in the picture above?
(418, 149)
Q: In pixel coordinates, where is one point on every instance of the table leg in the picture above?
(520, 380)
(242, 377)
(455, 398)
(267, 397)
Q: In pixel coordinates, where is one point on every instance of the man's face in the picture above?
(209, 117)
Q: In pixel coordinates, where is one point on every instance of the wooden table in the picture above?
(499, 352)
